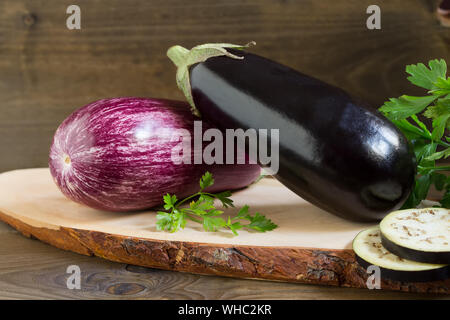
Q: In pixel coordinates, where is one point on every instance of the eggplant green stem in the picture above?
(178, 55)
(184, 58)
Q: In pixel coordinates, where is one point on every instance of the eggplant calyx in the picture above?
(184, 58)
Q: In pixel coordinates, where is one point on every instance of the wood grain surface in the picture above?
(310, 246)
(30, 269)
(47, 71)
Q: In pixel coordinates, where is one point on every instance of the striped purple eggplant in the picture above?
(116, 155)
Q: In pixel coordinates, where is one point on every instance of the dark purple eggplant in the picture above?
(334, 151)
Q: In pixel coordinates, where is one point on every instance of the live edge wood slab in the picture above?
(309, 246)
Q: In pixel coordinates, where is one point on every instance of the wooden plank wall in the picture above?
(47, 71)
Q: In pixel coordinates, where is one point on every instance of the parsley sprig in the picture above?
(201, 209)
(429, 145)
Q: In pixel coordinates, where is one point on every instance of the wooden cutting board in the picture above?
(309, 246)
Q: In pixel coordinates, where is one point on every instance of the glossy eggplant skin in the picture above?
(409, 276)
(415, 255)
(333, 151)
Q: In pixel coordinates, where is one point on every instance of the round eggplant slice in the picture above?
(369, 251)
(418, 234)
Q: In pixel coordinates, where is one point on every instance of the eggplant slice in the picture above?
(418, 234)
(369, 251)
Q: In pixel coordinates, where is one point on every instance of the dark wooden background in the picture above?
(47, 71)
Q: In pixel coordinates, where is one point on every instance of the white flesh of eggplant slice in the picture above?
(418, 234)
(369, 251)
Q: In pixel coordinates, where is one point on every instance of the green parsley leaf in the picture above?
(243, 212)
(213, 223)
(439, 180)
(405, 106)
(234, 226)
(169, 201)
(260, 223)
(439, 155)
(203, 204)
(439, 125)
(445, 202)
(423, 150)
(423, 184)
(443, 87)
(425, 77)
(206, 181)
(163, 221)
(204, 212)
(441, 108)
(171, 222)
(224, 197)
(429, 145)
(411, 131)
(257, 222)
